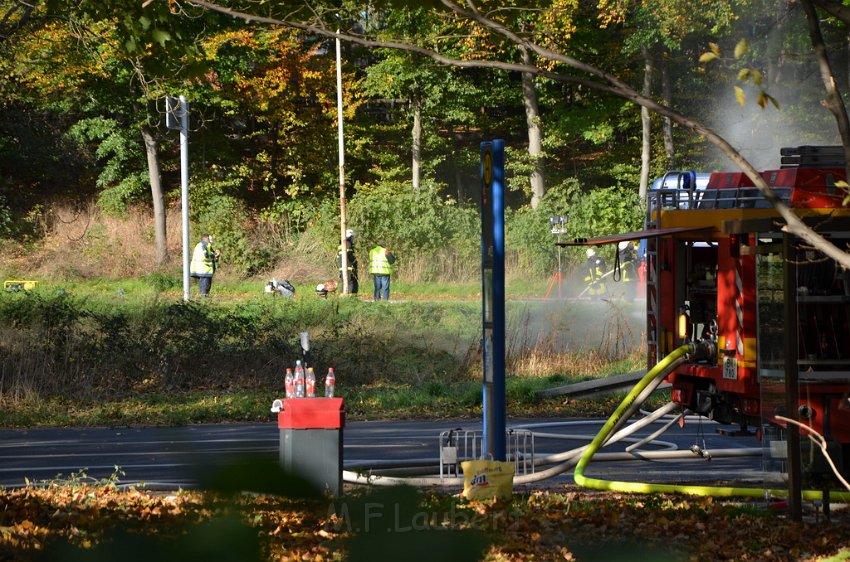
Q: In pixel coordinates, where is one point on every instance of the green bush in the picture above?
(223, 215)
(433, 238)
(5, 218)
(122, 179)
(601, 211)
(529, 243)
(62, 345)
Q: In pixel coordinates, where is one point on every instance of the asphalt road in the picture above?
(169, 458)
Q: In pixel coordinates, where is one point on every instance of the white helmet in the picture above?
(623, 245)
(590, 252)
(320, 287)
(349, 233)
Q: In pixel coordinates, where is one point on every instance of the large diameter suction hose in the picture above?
(626, 407)
(568, 459)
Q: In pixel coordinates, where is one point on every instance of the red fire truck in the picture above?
(721, 273)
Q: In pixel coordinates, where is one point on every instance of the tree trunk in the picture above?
(666, 122)
(535, 136)
(774, 53)
(157, 196)
(833, 101)
(417, 141)
(646, 140)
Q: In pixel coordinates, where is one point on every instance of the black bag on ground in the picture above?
(286, 288)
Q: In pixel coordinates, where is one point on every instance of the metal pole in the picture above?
(499, 412)
(792, 390)
(342, 219)
(493, 296)
(559, 264)
(184, 189)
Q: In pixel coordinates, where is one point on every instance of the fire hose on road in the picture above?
(566, 460)
(612, 432)
(625, 410)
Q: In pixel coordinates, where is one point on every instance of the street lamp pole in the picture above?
(343, 255)
(177, 118)
(184, 190)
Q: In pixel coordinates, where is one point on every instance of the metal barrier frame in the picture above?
(458, 445)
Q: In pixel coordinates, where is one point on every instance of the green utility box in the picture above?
(311, 440)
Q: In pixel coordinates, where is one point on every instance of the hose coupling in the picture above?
(703, 350)
(697, 450)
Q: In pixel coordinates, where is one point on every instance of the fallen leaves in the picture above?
(673, 528)
(565, 524)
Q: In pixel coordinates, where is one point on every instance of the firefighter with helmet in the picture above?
(351, 260)
(627, 258)
(594, 272)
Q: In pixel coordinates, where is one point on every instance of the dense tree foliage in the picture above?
(82, 104)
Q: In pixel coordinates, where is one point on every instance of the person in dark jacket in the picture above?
(351, 258)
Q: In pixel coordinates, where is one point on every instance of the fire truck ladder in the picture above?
(653, 209)
(676, 192)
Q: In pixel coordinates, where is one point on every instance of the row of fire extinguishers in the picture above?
(302, 383)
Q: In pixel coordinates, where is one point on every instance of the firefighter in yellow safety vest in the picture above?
(594, 270)
(381, 262)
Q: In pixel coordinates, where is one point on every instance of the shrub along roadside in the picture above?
(462, 401)
(80, 360)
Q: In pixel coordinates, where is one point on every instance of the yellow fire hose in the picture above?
(625, 408)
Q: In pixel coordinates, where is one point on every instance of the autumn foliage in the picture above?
(105, 522)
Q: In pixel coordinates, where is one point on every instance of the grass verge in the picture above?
(379, 400)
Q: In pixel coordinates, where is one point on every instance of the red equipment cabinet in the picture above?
(311, 413)
(311, 440)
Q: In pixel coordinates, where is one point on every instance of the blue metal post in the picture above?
(493, 295)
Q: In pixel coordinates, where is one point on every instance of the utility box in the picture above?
(311, 440)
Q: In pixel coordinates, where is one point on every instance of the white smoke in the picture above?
(759, 134)
(801, 119)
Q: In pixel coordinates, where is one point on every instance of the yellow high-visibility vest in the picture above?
(203, 260)
(378, 262)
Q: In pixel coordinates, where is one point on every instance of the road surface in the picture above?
(169, 458)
